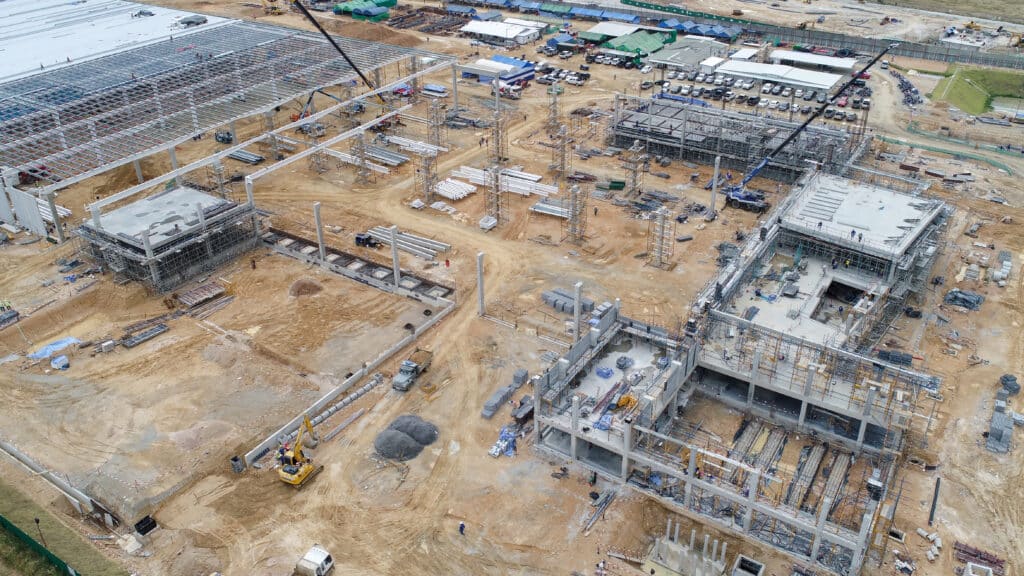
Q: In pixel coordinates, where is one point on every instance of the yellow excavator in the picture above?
(271, 8)
(296, 468)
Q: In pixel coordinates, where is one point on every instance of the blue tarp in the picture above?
(605, 423)
(689, 26)
(702, 29)
(489, 16)
(60, 363)
(671, 23)
(620, 17)
(435, 87)
(54, 347)
(502, 3)
(678, 98)
(605, 373)
(579, 12)
(512, 61)
(561, 39)
(455, 9)
(524, 6)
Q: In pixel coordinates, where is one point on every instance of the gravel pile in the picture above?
(405, 438)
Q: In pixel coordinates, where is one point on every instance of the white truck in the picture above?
(410, 369)
(316, 562)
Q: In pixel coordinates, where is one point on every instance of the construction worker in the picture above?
(462, 528)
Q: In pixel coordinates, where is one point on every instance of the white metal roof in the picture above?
(712, 61)
(526, 23)
(690, 39)
(614, 29)
(744, 54)
(53, 33)
(813, 59)
(495, 29)
(492, 66)
(779, 74)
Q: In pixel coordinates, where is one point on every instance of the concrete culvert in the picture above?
(304, 287)
(396, 445)
(420, 430)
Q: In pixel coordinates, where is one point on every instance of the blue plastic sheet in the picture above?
(54, 347)
(605, 372)
(60, 363)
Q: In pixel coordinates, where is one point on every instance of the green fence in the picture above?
(917, 145)
(37, 547)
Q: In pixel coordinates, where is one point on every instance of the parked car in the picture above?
(646, 69)
(646, 85)
(766, 88)
(783, 106)
(839, 116)
(823, 98)
(787, 92)
(676, 89)
(776, 90)
(851, 116)
(830, 113)
(866, 103)
(700, 78)
(672, 75)
(798, 94)
(773, 105)
(842, 102)
(805, 110)
(753, 100)
(685, 90)
(809, 95)
(692, 76)
(763, 104)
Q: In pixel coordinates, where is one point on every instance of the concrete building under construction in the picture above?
(167, 238)
(691, 130)
(781, 337)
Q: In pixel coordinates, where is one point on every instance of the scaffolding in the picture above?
(358, 149)
(574, 228)
(635, 165)
(554, 121)
(687, 131)
(426, 176)
(438, 133)
(562, 161)
(661, 231)
(136, 241)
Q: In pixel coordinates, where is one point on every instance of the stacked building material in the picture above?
(247, 157)
(416, 245)
(385, 156)
(453, 189)
(564, 301)
(415, 146)
(550, 208)
(522, 183)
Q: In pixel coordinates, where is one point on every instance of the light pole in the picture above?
(40, 530)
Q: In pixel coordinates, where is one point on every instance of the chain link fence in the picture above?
(36, 547)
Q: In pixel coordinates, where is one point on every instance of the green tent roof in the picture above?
(592, 37)
(644, 42)
(555, 8)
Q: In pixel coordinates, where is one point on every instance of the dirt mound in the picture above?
(376, 33)
(396, 445)
(305, 287)
(418, 429)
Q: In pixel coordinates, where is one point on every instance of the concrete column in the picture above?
(268, 120)
(691, 470)
(575, 427)
(154, 271)
(803, 413)
(617, 309)
(174, 162)
(455, 88)
(202, 224)
(232, 131)
(481, 309)
(724, 544)
(862, 432)
(862, 539)
(394, 256)
(707, 540)
(675, 538)
(714, 550)
(319, 232)
(248, 192)
(96, 218)
(750, 395)
(714, 184)
(138, 171)
(810, 383)
(753, 481)
(577, 310)
(826, 505)
(627, 446)
(57, 227)
(755, 367)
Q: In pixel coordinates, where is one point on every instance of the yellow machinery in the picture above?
(270, 7)
(972, 25)
(296, 468)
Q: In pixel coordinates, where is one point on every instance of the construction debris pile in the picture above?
(405, 438)
(1000, 431)
(964, 299)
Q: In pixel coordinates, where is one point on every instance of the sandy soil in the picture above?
(272, 353)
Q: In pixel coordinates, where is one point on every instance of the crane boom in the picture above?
(309, 16)
(771, 155)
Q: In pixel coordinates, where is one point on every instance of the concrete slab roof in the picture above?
(777, 73)
(165, 216)
(879, 220)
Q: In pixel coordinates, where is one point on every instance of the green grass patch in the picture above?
(78, 552)
(972, 89)
(17, 558)
(991, 9)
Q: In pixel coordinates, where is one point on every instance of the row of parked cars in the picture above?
(551, 75)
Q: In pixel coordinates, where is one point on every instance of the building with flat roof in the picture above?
(170, 237)
(746, 54)
(813, 61)
(779, 74)
(688, 52)
(500, 33)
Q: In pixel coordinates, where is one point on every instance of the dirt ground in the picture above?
(174, 409)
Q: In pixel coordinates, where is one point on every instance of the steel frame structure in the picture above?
(84, 119)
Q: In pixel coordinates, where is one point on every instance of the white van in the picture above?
(316, 562)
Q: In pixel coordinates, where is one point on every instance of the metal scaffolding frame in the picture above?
(661, 233)
(690, 131)
(87, 118)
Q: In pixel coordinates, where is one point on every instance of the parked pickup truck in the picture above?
(411, 369)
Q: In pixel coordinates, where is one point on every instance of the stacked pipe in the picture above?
(453, 189)
(416, 245)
